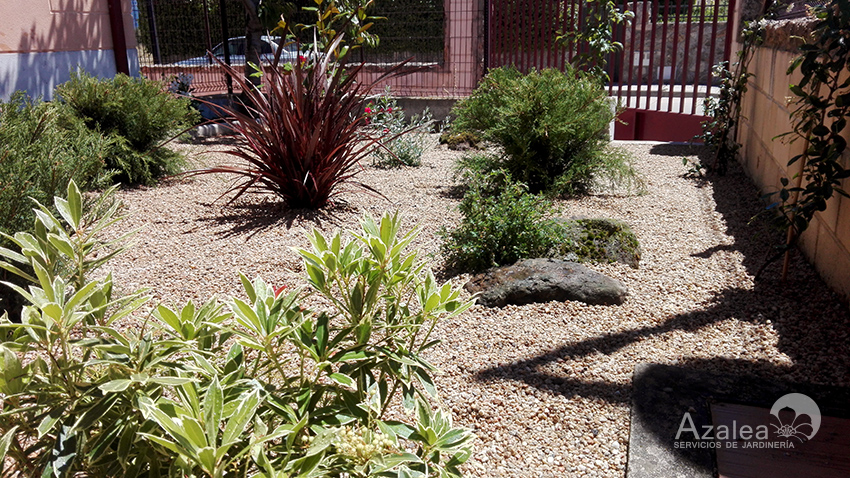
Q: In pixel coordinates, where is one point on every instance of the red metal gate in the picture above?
(660, 77)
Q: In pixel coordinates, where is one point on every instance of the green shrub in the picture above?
(259, 386)
(42, 147)
(406, 140)
(502, 223)
(138, 116)
(552, 128)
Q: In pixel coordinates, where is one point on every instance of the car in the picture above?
(236, 45)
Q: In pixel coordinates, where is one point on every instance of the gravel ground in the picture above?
(547, 387)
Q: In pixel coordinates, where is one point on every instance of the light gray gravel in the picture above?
(547, 386)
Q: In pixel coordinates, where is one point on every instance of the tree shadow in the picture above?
(812, 325)
(43, 64)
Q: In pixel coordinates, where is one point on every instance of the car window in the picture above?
(266, 48)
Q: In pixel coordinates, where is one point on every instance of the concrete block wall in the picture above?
(766, 111)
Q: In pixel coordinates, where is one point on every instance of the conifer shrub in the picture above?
(42, 147)
(551, 127)
(137, 116)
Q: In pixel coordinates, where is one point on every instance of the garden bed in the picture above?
(546, 387)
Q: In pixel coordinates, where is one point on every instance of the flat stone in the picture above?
(543, 280)
(662, 394)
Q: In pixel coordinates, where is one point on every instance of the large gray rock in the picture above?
(543, 280)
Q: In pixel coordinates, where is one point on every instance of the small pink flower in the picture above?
(368, 110)
(389, 110)
(302, 58)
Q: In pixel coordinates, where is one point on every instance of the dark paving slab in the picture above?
(662, 396)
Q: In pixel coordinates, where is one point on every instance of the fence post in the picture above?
(207, 36)
(157, 57)
(119, 43)
(486, 36)
(225, 35)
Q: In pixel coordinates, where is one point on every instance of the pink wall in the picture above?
(59, 25)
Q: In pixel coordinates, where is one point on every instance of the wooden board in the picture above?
(826, 455)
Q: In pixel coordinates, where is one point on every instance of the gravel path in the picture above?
(547, 387)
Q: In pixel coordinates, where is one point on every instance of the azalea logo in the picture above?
(803, 407)
(803, 426)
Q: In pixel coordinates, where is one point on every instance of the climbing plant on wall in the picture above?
(719, 132)
(821, 106)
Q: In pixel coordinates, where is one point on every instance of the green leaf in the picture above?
(5, 441)
(118, 385)
(63, 245)
(75, 205)
(249, 288)
(391, 461)
(235, 358)
(169, 318)
(343, 380)
(213, 405)
(397, 428)
(170, 445)
(192, 430)
(64, 452)
(244, 414)
(48, 422)
(171, 381)
(317, 277)
(206, 458)
(11, 372)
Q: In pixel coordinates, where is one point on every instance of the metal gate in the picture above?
(660, 77)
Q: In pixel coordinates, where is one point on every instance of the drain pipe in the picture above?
(119, 42)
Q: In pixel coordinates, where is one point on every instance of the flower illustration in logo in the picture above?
(798, 427)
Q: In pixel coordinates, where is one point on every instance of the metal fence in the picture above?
(669, 47)
(174, 37)
(456, 69)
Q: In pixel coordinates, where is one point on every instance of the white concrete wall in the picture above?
(42, 41)
(38, 73)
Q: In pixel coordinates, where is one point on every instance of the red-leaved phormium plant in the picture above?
(300, 134)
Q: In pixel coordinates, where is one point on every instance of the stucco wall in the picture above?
(827, 241)
(41, 41)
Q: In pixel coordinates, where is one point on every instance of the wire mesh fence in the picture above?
(175, 36)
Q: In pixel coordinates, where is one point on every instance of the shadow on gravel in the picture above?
(250, 218)
(812, 324)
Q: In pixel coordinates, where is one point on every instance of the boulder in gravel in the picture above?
(601, 240)
(543, 280)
